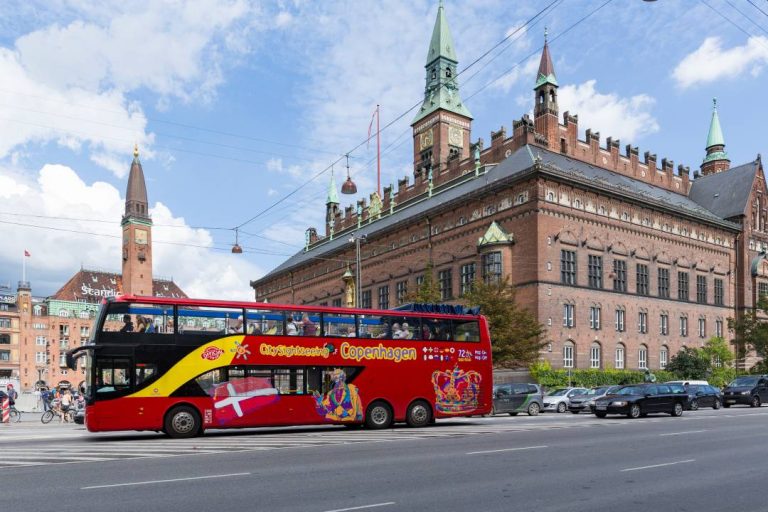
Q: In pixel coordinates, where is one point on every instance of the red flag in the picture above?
(26, 253)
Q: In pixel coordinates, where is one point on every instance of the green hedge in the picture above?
(550, 378)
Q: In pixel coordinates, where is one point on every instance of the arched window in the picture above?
(569, 353)
(541, 98)
(642, 357)
(84, 314)
(448, 72)
(552, 96)
(594, 355)
(620, 357)
(663, 357)
(64, 313)
(37, 310)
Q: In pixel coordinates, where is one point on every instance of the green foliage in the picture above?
(689, 363)
(549, 378)
(516, 336)
(751, 332)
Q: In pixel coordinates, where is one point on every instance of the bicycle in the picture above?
(15, 415)
(68, 415)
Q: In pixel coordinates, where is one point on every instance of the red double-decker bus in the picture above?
(183, 366)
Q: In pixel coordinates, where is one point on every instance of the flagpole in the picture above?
(378, 152)
(24, 267)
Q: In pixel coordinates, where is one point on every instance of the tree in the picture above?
(427, 292)
(751, 331)
(516, 336)
(689, 363)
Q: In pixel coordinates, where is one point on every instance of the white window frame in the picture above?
(595, 356)
(568, 354)
(663, 357)
(568, 314)
(594, 317)
(620, 357)
(620, 320)
(642, 357)
(702, 327)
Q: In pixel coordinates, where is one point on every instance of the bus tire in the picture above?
(378, 415)
(182, 422)
(419, 414)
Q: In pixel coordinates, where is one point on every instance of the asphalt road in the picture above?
(704, 461)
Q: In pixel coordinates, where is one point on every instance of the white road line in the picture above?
(362, 507)
(163, 481)
(660, 465)
(508, 450)
(683, 433)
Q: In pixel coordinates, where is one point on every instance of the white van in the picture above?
(689, 382)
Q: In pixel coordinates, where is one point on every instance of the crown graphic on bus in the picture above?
(456, 391)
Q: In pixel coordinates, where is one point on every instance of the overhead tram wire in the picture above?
(758, 8)
(726, 18)
(748, 18)
(392, 122)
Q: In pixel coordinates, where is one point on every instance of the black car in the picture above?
(641, 399)
(703, 396)
(749, 390)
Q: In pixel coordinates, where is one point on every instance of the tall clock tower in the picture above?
(137, 234)
(441, 128)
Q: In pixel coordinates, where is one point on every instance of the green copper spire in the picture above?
(333, 196)
(715, 140)
(442, 88)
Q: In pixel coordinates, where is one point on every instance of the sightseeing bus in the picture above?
(182, 366)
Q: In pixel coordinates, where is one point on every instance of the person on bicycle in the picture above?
(12, 394)
(66, 403)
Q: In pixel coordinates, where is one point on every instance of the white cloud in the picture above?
(525, 72)
(621, 118)
(710, 62)
(179, 251)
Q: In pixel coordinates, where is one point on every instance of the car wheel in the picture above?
(418, 415)
(575, 412)
(755, 401)
(678, 409)
(634, 411)
(182, 422)
(717, 404)
(513, 414)
(534, 409)
(378, 415)
(694, 405)
(561, 407)
(601, 414)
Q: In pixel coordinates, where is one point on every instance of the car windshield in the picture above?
(743, 381)
(597, 391)
(630, 390)
(558, 392)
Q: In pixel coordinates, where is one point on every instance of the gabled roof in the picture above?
(95, 285)
(725, 193)
(517, 166)
(494, 236)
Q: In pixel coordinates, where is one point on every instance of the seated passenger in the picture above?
(406, 334)
(127, 324)
(308, 326)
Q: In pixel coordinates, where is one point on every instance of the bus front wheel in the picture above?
(378, 415)
(419, 414)
(181, 422)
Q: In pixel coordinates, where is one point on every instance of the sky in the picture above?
(241, 108)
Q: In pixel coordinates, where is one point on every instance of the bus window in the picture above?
(374, 326)
(309, 324)
(265, 321)
(209, 380)
(205, 320)
(139, 318)
(288, 381)
(145, 373)
(113, 375)
(436, 329)
(339, 324)
(401, 328)
(466, 330)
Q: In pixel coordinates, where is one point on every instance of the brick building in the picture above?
(42, 329)
(625, 260)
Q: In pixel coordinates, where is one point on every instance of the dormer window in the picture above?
(448, 72)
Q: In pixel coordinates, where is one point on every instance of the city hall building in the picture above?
(36, 332)
(624, 258)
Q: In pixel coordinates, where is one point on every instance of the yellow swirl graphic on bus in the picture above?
(293, 351)
(396, 354)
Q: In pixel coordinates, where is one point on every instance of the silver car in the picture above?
(586, 402)
(559, 399)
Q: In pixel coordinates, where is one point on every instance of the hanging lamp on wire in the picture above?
(236, 249)
(349, 186)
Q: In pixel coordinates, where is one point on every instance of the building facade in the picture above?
(624, 259)
(42, 329)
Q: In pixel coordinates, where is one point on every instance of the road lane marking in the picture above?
(683, 433)
(508, 450)
(163, 481)
(361, 507)
(660, 465)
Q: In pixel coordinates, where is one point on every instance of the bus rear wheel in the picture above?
(378, 415)
(182, 422)
(419, 414)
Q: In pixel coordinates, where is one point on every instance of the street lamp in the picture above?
(353, 237)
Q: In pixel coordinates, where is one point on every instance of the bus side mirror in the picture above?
(71, 362)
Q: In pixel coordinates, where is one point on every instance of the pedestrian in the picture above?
(12, 394)
(66, 403)
(45, 396)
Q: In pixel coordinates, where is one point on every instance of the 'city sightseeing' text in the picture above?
(293, 351)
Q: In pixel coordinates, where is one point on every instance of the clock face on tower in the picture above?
(141, 237)
(425, 139)
(455, 136)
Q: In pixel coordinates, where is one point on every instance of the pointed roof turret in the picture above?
(442, 87)
(715, 140)
(136, 204)
(546, 73)
(333, 196)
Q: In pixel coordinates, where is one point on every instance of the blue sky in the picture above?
(235, 104)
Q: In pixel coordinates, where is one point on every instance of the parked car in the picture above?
(559, 399)
(750, 390)
(586, 402)
(703, 396)
(517, 398)
(688, 382)
(641, 399)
